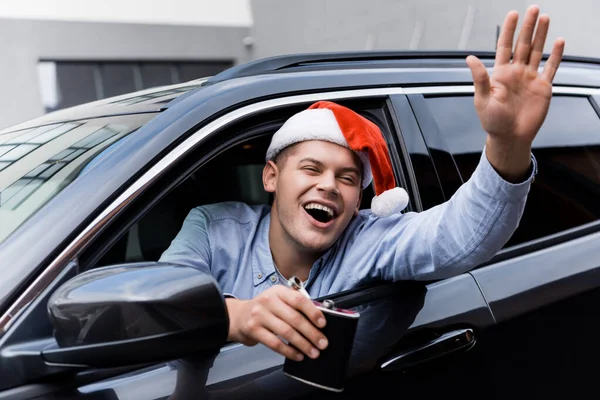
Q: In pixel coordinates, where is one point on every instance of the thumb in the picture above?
(481, 79)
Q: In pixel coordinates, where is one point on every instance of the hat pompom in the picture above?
(389, 202)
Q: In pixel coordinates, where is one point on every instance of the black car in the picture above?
(91, 196)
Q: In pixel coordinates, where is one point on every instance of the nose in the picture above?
(328, 183)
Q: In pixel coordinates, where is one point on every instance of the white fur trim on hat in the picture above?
(314, 124)
(389, 202)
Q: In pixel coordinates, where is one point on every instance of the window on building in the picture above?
(69, 83)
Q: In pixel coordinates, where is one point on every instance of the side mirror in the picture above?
(133, 314)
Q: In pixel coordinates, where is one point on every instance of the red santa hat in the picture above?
(331, 122)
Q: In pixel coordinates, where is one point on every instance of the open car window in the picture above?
(227, 168)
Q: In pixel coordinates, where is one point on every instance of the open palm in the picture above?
(512, 104)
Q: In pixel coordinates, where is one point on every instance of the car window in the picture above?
(565, 192)
(235, 174)
(37, 163)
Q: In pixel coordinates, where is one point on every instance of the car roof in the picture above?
(424, 60)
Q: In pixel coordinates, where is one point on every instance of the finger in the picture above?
(301, 325)
(481, 79)
(505, 40)
(537, 48)
(303, 304)
(523, 46)
(292, 336)
(553, 61)
(270, 340)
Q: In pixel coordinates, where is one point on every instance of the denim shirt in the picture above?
(231, 240)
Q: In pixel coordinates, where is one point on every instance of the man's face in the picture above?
(317, 188)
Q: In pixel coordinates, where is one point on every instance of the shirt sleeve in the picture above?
(453, 237)
(191, 246)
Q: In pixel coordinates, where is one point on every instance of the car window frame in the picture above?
(222, 141)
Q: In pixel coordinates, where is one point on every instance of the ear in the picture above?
(357, 209)
(269, 177)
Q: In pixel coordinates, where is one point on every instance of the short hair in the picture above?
(281, 157)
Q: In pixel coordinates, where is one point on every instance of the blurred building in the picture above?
(287, 26)
(57, 53)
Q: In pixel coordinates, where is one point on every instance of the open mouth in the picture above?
(320, 212)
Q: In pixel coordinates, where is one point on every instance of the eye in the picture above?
(311, 168)
(349, 179)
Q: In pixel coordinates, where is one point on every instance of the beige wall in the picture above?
(178, 12)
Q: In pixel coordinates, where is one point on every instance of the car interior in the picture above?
(564, 188)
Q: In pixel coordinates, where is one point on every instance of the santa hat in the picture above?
(331, 122)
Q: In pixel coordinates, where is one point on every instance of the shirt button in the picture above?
(273, 278)
(259, 276)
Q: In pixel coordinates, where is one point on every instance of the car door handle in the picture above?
(461, 339)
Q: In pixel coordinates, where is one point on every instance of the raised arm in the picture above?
(479, 219)
(513, 102)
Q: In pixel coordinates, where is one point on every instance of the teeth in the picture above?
(316, 206)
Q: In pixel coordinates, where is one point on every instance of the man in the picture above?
(317, 165)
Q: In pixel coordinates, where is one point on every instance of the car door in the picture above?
(402, 326)
(543, 288)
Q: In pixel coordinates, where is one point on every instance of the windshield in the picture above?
(37, 163)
